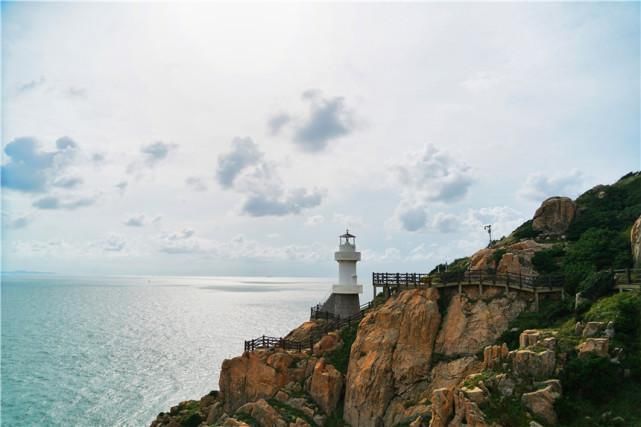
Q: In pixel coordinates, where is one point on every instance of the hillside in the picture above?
(478, 357)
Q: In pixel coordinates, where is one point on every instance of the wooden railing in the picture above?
(628, 276)
(336, 323)
(468, 277)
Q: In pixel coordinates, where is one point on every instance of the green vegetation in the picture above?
(497, 255)
(552, 313)
(340, 357)
(505, 411)
(191, 416)
(246, 418)
(548, 261)
(525, 231)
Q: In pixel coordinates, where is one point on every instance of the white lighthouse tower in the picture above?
(344, 300)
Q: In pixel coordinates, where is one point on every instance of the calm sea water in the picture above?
(105, 351)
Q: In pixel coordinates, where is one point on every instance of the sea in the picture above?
(116, 351)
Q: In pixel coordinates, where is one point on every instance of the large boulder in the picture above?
(442, 407)
(541, 402)
(470, 326)
(392, 351)
(596, 346)
(554, 216)
(450, 373)
(532, 364)
(258, 375)
(516, 259)
(326, 386)
(264, 413)
(635, 242)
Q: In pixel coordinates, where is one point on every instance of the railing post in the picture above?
(629, 276)
(263, 340)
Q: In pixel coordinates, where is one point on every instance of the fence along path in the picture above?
(392, 283)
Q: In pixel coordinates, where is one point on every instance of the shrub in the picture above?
(590, 377)
(340, 357)
(625, 310)
(525, 231)
(497, 255)
(596, 285)
(547, 260)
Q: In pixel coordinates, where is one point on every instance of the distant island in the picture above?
(541, 328)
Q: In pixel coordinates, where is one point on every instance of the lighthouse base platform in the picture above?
(342, 305)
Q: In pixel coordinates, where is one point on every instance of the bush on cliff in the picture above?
(340, 357)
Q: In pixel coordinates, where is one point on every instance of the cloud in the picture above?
(328, 119)
(294, 202)
(113, 243)
(432, 175)
(155, 152)
(539, 186)
(29, 86)
(76, 92)
(348, 221)
(68, 182)
(445, 222)
(55, 202)
(244, 153)
(196, 183)
(31, 169)
(18, 222)
(413, 219)
(122, 186)
(277, 122)
(135, 221)
(98, 158)
(314, 220)
(245, 170)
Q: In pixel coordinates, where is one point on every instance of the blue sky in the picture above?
(242, 139)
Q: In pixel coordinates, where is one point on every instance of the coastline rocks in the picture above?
(517, 258)
(327, 344)
(442, 407)
(541, 402)
(258, 375)
(392, 351)
(488, 320)
(263, 412)
(326, 386)
(494, 355)
(635, 242)
(593, 329)
(554, 216)
(596, 346)
(449, 374)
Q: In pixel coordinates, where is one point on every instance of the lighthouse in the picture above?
(344, 300)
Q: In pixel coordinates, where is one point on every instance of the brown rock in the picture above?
(635, 242)
(597, 346)
(541, 402)
(471, 326)
(326, 386)
(442, 407)
(533, 364)
(305, 330)
(494, 355)
(214, 413)
(449, 374)
(262, 412)
(529, 337)
(392, 350)
(593, 329)
(233, 422)
(299, 423)
(554, 216)
(255, 375)
(327, 343)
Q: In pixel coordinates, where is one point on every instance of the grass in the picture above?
(246, 418)
(505, 411)
(340, 357)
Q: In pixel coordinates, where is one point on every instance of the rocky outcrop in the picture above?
(494, 356)
(533, 364)
(442, 407)
(516, 258)
(488, 320)
(259, 375)
(541, 402)
(554, 216)
(449, 374)
(392, 351)
(326, 386)
(263, 412)
(635, 242)
(596, 346)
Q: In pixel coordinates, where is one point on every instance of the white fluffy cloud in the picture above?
(539, 186)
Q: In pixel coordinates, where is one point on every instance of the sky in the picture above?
(242, 139)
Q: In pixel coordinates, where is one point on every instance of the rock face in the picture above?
(392, 351)
(326, 386)
(258, 375)
(517, 258)
(532, 364)
(554, 216)
(488, 320)
(635, 242)
(262, 412)
(596, 346)
(541, 402)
